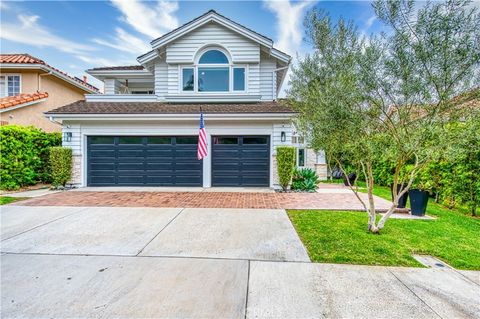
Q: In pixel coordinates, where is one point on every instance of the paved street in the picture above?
(201, 263)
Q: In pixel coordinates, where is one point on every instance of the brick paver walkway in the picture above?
(330, 201)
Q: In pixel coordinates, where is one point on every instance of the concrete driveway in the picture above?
(200, 263)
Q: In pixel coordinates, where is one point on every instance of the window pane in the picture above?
(101, 140)
(2, 86)
(213, 79)
(239, 79)
(187, 140)
(130, 140)
(187, 84)
(214, 57)
(225, 140)
(301, 157)
(254, 140)
(13, 85)
(159, 140)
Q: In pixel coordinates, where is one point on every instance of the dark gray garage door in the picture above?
(143, 161)
(241, 161)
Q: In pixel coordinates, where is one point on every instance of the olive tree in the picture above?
(388, 97)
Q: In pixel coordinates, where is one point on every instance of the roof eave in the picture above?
(11, 108)
(46, 68)
(171, 116)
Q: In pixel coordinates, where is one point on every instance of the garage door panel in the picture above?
(241, 161)
(102, 153)
(137, 160)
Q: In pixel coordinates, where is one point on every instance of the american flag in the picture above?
(202, 139)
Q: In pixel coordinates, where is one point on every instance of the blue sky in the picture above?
(76, 35)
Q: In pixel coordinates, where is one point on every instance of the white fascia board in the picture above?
(280, 55)
(209, 98)
(22, 105)
(144, 58)
(208, 18)
(121, 98)
(47, 69)
(174, 117)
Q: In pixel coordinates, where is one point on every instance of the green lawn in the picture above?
(7, 199)
(341, 237)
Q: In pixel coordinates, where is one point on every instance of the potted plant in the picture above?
(419, 197)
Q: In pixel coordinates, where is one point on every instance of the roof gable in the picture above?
(209, 17)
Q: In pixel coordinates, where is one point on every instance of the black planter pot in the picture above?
(402, 201)
(351, 177)
(418, 201)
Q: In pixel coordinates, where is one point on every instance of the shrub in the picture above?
(24, 155)
(285, 164)
(60, 165)
(305, 179)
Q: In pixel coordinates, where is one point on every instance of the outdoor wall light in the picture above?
(67, 136)
(283, 136)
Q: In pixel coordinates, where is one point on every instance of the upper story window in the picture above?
(10, 85)
(214, 73)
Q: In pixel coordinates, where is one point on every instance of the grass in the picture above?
(4, 200)
(341, 237)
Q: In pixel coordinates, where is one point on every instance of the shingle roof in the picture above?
(122, 67)
(84, 107)
(10, 101)
(24, 58)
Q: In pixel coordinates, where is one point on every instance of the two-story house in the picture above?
(29, 87)
(144, 129)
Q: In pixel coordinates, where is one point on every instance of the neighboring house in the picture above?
(144, 129)
(29, 87)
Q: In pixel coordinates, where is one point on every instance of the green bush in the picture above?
(285, 164)
(24, 155)
(60, 165)
(305, 179)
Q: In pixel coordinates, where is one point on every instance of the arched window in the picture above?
(213, 73)
(213, 57)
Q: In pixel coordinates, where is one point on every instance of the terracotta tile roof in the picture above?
(115, 68)
(25, 58)
(83, 107)
(10, 101)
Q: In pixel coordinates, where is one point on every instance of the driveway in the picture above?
(201, 263)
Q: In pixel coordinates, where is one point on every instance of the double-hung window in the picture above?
(9, 85)
(213, 74)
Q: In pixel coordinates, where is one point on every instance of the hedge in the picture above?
(285, 164)
(61, 165)
(24, 155)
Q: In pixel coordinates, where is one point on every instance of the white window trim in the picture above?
(6, 75)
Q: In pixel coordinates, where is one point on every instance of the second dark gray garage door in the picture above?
(143, 161)
(241, 161)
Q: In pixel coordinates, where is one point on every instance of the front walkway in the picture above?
(334, 200)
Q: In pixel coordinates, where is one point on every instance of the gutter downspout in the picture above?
(274, 86)
(39, 80)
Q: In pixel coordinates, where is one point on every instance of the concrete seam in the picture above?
(49, 222)
(141, 250)
(423, 301)
(248, 286)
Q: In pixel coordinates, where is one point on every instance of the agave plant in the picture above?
(305, 179)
